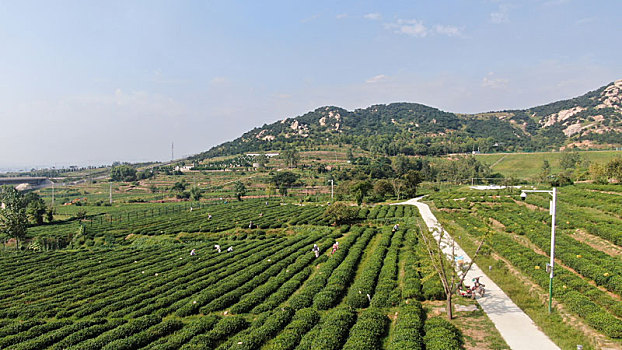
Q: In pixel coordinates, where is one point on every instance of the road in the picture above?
(516, 328)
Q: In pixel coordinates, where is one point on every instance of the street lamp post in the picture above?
(552, 212)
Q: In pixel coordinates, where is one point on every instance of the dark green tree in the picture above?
(284, 180)
(292, 157)
(412, 179)
(340, 213)
(545, 171)
(261, 160)
(240, 190)
(35, 208)
(196, 193)
(398, 186)
(570, 160)
(13, 219)
(350, 155)
(145, 174)
(179, 186)
(49, 214)
(614, 169)
(360, 190)
(123, 173)
(402, 165)
(383, 188)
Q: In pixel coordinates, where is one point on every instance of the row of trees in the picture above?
(127, 173)
(609, 172)
(575, 167)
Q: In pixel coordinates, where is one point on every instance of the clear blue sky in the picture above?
(91, 82)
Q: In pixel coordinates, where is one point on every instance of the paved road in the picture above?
(515, 326)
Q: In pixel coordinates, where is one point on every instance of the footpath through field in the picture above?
(518, 330)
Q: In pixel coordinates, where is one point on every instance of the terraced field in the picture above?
(270, 292)
(588, 275)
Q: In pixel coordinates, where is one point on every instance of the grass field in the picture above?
(528, 165)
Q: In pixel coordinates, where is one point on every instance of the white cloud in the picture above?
(416, 28)
(310, 19)
(501, 15)
(585, 20)
(158, 77)
(448, 30)
(373, 16)
(342, 16)
(411, 27)
(554, 2)
(494, 83)
(376, 79)
(218, 80)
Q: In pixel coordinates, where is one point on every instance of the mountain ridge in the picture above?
(591, 120)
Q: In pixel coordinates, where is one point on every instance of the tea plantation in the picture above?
(269, 292)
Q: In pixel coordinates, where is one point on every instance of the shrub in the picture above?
(440, 334)
(408, 334)
(368, 331)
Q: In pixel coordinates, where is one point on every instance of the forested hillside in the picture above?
(590, 121)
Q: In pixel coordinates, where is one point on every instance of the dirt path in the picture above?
(597, 243)
(498, 161)
(516, 328)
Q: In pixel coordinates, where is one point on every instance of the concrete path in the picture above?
(516, 328)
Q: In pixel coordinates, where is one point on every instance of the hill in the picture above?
(593, 120)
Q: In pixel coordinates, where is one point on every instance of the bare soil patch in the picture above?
(597, 243)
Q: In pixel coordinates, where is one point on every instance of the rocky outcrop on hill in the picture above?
(586, 121)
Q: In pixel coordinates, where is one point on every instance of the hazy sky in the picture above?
(91, 82)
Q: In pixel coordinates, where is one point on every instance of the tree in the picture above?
(13, 219)
(240, 190)
(49, 214)
(398, 186)
(401, 165)
(179, 186)
(80, 214)
(291, 157)
(383, 188)
(196, 193)
(123, 173)
(412, 180)
(284, 180)
(545, 171)
(570, 160)
(614, 169)
(360, 190)
(35, 210)
(350, 155)
(340, 213)
(444, 262)
(261, 160)
(145, 174)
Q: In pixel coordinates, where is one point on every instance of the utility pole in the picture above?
(52, 194)
(110, 193)
(553, 213)
(332, 189)
(172, 151)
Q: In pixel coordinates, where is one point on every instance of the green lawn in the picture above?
(527, 165)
